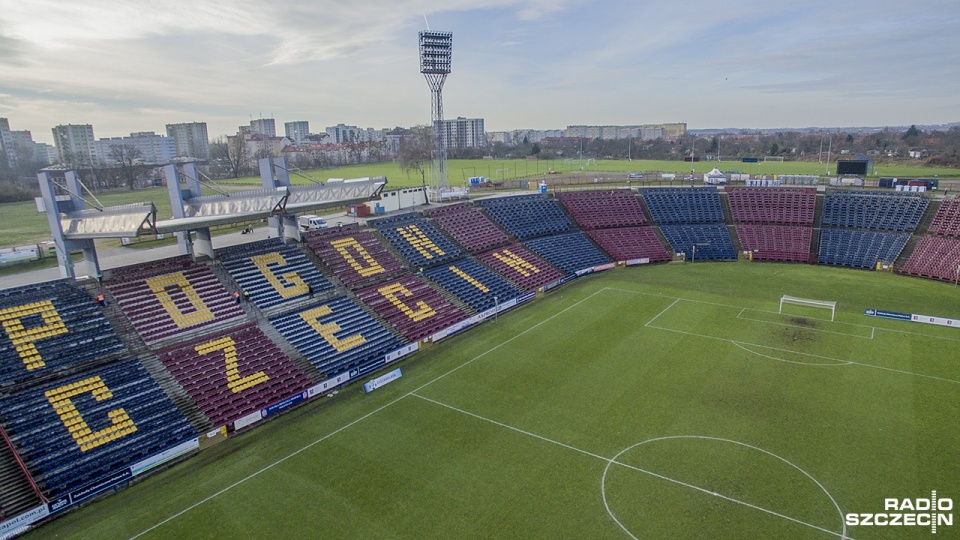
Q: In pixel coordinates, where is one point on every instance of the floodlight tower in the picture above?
(436, 52)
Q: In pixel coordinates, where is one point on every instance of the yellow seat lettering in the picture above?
(419, 241)
(391, 291)
(328, 331)
(24, 339)
(292, 284)
(235, 382)
(369, 267)
(200, 313)
(469, 279)
(61, 401)
(517, 263)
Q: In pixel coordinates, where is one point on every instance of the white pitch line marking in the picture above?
(645, 471)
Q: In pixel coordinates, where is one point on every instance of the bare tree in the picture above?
(129, 160)
(416, 150)
(230, 153)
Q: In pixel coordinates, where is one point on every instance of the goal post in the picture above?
(825, 304)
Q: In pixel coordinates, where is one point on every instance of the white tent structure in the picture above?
(715, 177)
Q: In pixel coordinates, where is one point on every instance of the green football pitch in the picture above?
(671, 401)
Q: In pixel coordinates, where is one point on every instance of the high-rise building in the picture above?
(463, 133)
(190, 139)
(342, 133)
(7, 145)
(297, 131)
(75, 145)
(150, 148)
(264, 126)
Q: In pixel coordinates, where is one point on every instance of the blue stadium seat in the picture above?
(70, 438)
(474, 284)
(272, 272)
(712, 242)
(896, 211)
(683, 205)
(859, 248)
(336, 336)
(527, 216)
(568, 252)
(49, 326)
(417, 240)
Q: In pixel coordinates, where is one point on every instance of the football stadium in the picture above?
(661, 362)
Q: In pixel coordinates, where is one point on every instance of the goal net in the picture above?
(778, 159)
(825, 304)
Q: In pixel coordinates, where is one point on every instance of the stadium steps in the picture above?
(115, 316)
(815, 237)
(727, 212)
(927, 219)
(662, 238)
(907, 252)
(17, 495)
(646, 212)
(292, 353)
(818, 211)
(177, 394)
(735, 239)
(814, 246)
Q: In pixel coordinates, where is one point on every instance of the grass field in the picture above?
(21, 224)
(664, 402)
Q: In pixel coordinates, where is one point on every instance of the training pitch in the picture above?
(656, 402)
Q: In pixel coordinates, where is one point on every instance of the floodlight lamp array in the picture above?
(436, 52)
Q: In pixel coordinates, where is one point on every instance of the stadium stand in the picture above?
(628, 243)
(411, 306)
(568, 252)
(683, 205)
(49, 326)
(273, 273)
(527, 216)
(163, 299)
(231, 374)
(712, 242)
(947, 219)
(603, 209)
(471, 227)
(858, 247)
(417, 240)
(781, 206)
(776, 242)
(474, 284)
(936, 257)
(337, 336)
(891, 211)
(82, 428)
(356, 258)
(521, 266)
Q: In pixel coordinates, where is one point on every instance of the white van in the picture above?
(311, 222)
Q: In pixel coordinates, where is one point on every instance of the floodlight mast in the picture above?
(436, 53)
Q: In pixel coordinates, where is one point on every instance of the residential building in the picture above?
(342, 133)
(463, 133)
(264, 126)
(75, 145)
(297, 131)
(6, 142)
(190, 139)
(646, 131)
(150, 148)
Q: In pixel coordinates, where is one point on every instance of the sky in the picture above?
(138, 65)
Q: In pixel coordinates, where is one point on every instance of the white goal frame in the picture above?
(832, 306)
